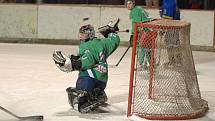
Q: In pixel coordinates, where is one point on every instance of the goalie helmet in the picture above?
(89, 31)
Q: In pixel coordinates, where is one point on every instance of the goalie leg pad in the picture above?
(91, 105)
(99, 95)
(93, 100)
(75, 96)
(72, 96)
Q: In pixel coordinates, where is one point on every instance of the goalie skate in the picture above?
(86, 102)
(92, 105)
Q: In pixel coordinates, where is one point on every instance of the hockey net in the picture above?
(163, 80)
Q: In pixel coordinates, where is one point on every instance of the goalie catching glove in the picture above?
(66, 63)
(105, 30)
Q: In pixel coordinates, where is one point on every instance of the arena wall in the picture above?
(55, 23)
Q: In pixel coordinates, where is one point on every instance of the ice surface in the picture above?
(30, 84)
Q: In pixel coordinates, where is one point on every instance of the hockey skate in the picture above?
(94, 102)
(86, 102)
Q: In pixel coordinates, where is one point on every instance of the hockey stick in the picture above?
(120, 31)
(33, 118)
(113, 66)
(127, 30)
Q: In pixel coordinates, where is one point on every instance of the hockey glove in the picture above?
(62, 61)
(105, 30)
(76, 62)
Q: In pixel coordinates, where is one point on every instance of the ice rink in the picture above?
(31, 84)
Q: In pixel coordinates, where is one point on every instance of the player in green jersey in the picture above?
(91, 62)
(138, 14)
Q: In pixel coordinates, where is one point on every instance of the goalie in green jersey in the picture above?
(91, 62)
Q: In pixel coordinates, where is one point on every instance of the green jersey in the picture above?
(137, 14)
(94, 54)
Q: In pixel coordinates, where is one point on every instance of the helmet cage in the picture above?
(88, 30)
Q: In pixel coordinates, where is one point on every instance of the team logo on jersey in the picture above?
(101, 68)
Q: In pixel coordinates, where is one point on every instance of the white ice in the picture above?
(30, 84)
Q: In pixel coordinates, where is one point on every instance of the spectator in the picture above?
(169, 10)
